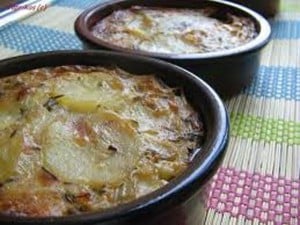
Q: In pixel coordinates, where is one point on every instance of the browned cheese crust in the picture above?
(175, 31)
(76, 139)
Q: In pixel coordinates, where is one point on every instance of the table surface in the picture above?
(258, 182)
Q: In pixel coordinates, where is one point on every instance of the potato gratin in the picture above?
(77, 139)
(175, 31)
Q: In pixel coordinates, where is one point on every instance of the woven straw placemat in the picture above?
(258, 182)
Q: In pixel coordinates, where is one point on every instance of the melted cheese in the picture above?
(76, 139)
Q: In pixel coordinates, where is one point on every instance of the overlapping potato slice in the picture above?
(9, 107)
(97, 149)
(136, 32)
(86, 93)
(73, 104)
(89, 139)
(11, 143)
(8, 116)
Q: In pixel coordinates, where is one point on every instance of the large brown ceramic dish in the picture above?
(227, 71)
(182, 201)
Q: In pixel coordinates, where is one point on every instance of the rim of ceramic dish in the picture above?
(84, 32)
(176, 191)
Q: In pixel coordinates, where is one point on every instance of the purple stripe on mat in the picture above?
(256, 196)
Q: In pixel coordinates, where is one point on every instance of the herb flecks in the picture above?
(52, 102)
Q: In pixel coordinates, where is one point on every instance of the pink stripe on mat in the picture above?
(256, 196)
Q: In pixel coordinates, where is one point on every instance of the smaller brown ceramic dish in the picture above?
(267, 8)
(228, 71)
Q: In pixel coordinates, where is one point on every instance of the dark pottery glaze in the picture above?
(182, 201)
(268, 8)
(228, 71)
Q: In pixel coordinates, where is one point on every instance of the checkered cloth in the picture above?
(258, 182)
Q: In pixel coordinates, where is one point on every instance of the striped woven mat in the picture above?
(258, 182)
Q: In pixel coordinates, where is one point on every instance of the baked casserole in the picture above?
(76, 139)
(175, 30)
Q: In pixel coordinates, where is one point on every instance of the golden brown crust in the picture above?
(76, 139)
(31, 203)
(170, 30)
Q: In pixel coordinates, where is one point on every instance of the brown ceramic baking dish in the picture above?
(227, 71)
(267, 8)
(182, 201)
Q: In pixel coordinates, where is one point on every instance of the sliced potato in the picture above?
(7, 119)
(9, 113)
(114, 102)
(110, 153)
(145, 186)
(79, 106)
(168, 169)
(91, 91)
(147, 20)
(10, 148)
(78, 139)
(137, 33)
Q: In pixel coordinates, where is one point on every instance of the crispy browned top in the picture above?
(76, 139)
(170, 30)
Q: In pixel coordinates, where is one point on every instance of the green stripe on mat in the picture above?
(258, 128)
(290, 6)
